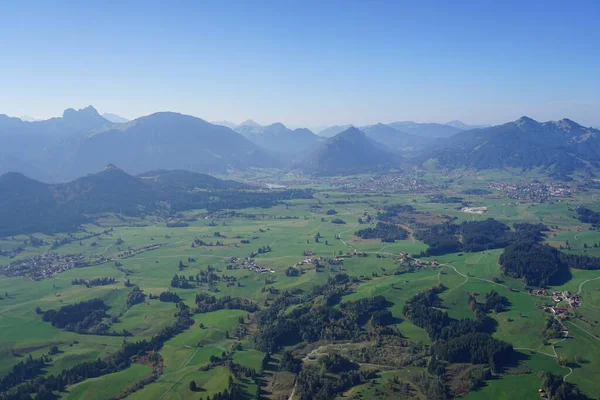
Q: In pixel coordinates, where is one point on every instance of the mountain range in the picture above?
(561, 146)
(83, 141)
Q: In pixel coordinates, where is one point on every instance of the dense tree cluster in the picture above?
(171, 297)
(79, 317)
(588, 216)
(552, 329)
(313, 322)
(440, 238)
(289, 363)
(315, 384)
(558, 389)
(385, 231)
(536, 264)
(530, 232)
(292, 271)
(455, 341)
(580, 262)
(440, 198)
(23, 371)
(181, 281)
(136, 296)
(207, 303)
(469, 236)
(493, 301)
(336, 363)
(484, 235)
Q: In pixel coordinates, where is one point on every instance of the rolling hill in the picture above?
(29, 206)
(349, 152)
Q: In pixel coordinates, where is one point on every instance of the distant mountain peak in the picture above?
(110, 167)
(567, 124)
(89, 110)
(28, 118)
(251, 123)
(276, 125)
(526, 122)
(352, 131)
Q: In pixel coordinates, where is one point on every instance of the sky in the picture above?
(304, 63)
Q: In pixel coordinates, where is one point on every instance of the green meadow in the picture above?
(290, 229)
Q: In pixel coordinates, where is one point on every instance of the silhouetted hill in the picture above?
(187, 180)
(117, 119)
(29, 206)
(525, 143)
(349, 152)
(333, 130)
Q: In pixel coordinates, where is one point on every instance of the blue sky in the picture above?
(304, 63)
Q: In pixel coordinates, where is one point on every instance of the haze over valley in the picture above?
(300, 201)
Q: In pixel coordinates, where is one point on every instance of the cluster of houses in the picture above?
(560, 312)
(531, 191)
(572, 299)
(407, 258)
(43, 265)
(250, 264)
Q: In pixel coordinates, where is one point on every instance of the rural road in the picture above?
(347, 230)
(109, 246)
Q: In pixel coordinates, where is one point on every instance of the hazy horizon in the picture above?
(308, 64)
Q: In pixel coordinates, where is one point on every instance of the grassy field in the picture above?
(290, 229)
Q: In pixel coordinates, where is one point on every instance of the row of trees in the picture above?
(103, 281)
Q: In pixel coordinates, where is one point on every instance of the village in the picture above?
(572, 300)
(531, 191)
(43, 265)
